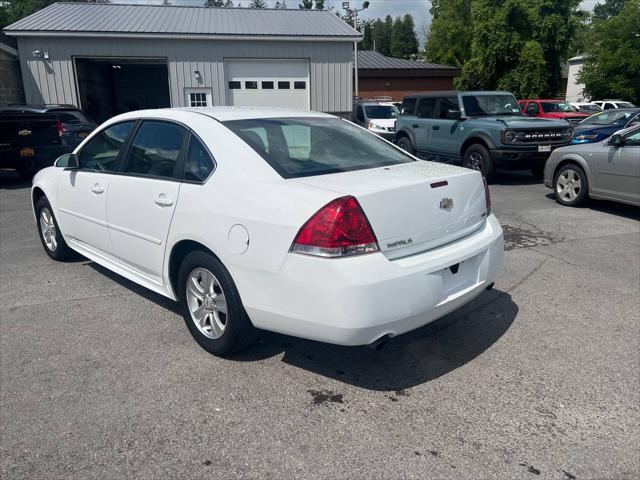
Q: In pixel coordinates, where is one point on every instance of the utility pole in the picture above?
(354, 12)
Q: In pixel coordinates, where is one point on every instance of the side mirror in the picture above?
(616, 140)
(68, 160)
(453, 114)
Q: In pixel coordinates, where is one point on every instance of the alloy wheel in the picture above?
(475, 161)
(568, 185)
(48, 229)
(207, 303)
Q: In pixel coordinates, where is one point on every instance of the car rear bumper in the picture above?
(521, 158)
(355, 301)
(42, 156)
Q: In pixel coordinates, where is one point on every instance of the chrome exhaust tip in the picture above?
(379, 344)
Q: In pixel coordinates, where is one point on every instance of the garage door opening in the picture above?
(109, 86)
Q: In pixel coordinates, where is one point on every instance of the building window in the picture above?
(251, 85)
(284, 85)
(300, 85)
(235, 86)
(267, 85)
(198, 99)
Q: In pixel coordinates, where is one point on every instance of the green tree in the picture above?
(306, 5)
(258, 4)
(449, 41)
(404, 41)
(608, 9)
(612, 68)
(515, 38)
(319, 4)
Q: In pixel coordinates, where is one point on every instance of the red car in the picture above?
(552, 109)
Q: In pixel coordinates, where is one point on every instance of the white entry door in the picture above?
(268, 83)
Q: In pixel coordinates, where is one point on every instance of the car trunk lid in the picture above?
(413, 207)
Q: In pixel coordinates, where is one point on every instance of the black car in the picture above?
(33, 136)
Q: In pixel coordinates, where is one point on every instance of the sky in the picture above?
(419, 9)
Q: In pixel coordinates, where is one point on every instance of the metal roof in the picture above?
(371, 60)
(89, 18)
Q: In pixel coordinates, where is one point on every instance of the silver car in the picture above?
(606, 170)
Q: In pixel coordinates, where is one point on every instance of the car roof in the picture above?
(224, 114)
(453, 93)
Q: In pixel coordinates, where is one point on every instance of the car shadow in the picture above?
(515, 177)
(10, 180)
(408, 360)
(412, 359)
(605, 206)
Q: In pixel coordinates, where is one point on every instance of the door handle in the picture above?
(415, 125)
(97, 188)
(436, 127)
(163, 201)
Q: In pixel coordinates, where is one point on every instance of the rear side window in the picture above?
(427, 107)
(409, 106)
(303, 147)
(102, 151)
(155, 149)
(198, 163)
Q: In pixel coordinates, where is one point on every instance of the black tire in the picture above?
(477, 157)
(27, 170)
(538, 172)
(405, 144)
(60, 251)
(571, 173)
(238, 331)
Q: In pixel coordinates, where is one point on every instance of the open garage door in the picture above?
(109, 86)
(268, 83)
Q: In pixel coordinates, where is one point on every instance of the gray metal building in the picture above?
(109, 58)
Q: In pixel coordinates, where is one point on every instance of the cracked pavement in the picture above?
(535, 379)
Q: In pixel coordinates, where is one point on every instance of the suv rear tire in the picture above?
(477, 157)
(405, 144)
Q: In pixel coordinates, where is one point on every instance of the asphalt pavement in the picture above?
(537, 378)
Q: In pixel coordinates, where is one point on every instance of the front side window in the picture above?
(155, 149)
(198, 163)
(491, 104)
(102, 152)
(303, 147)
(633, 139)
(551, 107)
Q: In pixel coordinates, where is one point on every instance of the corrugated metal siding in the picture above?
(109, 18)
(53, 80)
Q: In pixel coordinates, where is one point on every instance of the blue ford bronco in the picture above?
(479, 130)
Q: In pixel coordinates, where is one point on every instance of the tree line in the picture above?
(521, 45)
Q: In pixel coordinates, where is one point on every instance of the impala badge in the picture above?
(24, 133)
(446, 203)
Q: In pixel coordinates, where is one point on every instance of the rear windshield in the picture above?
(71, 116)
(303, 147)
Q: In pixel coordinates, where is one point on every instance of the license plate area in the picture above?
(459, 277)
(27, 152)
(544, 148)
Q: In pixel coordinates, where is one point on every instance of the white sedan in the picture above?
(296, 222)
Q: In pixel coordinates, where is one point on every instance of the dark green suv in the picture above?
(480, 130)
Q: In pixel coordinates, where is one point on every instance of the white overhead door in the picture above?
(268, 83)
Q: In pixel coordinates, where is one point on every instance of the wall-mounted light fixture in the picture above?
(46, 54)
(198, 76)
(36, 53)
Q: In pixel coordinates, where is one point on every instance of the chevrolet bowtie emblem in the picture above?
(446, 203)
(24, 133)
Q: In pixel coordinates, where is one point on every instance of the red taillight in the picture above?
(338, 229)
(60, 128)
(487, 196)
